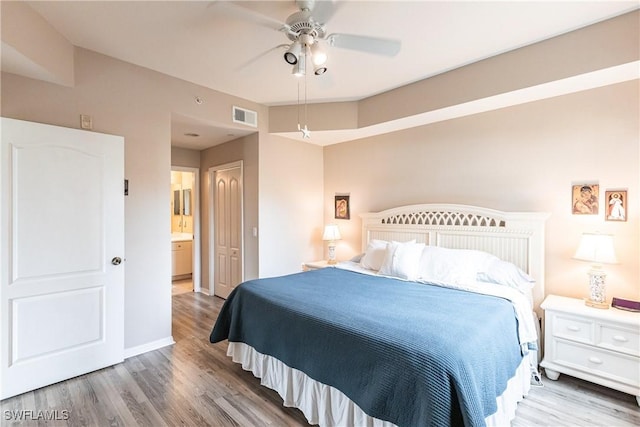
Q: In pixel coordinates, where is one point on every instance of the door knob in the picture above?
(116, 260)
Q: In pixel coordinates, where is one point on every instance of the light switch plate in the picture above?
(86, 122)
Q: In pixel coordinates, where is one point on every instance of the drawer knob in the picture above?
(595, 360)
(620, 338)
(573, 328)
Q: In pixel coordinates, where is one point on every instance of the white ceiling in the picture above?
(232, 46)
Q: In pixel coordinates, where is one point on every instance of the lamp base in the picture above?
(596, 304)
(597, 298)
(332, 253)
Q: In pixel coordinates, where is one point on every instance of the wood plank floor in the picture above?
(194, 383)
(181, 286)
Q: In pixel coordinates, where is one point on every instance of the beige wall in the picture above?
(522, 158)
(596, 47)
(183, 157)
(27, 39)
(137, 103)
(290, 205)
(322, 116)
(283, 182)
(245, 149)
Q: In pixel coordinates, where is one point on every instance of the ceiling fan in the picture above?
(306, 31)
(306, 28)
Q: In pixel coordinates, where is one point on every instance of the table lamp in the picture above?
(597, 249)
(331, 234)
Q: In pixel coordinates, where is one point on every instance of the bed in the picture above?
(423, 329)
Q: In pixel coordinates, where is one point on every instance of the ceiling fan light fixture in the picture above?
(296, 71)
(320, 70)
(299, 69)
(318, 54)
(293, 53)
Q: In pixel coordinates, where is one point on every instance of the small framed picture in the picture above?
(584, 199)
(616, 205)
(342, 207)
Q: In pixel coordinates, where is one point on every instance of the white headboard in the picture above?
(517, 237)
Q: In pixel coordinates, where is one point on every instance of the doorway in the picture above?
(185, 230)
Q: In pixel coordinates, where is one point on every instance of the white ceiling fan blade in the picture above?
(239, 11)
(323, 10)
(255, 59)
(375, 45)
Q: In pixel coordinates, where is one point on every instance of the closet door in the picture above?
(228, 266)
(61, 272)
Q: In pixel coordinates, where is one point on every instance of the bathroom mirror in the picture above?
(176, 202)
(186, 200)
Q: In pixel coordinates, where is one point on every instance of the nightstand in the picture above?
(316, 265)
(601, 346)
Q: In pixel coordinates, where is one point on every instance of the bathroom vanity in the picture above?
(181, 255)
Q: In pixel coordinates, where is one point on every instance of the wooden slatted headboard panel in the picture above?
(517, 237)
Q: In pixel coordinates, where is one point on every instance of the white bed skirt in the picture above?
(326, 406)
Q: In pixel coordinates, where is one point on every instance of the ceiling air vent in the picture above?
(247, 117)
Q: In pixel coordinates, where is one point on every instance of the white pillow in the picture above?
(455, 266)
(357, 258)
(505, 273)
(374, 255)
(463, 266)
(402, 260)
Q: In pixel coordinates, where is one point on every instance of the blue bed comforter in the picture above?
(408, 353)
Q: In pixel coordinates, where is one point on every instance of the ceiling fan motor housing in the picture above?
(301, 23)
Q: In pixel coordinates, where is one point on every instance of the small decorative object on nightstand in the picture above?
(598, 249)
(316, 265)
(596, 345)
(331, 234)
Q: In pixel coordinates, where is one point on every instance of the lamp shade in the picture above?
(331, 232)
(596, 248)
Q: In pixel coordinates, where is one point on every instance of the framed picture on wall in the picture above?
(615, 205)
(342, 207)
(584, 199)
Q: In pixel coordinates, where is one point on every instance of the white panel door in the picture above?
(62, 234)
(228, 231)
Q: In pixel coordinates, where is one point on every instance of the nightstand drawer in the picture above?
(620, 339)
(573, 328)
(618, 367)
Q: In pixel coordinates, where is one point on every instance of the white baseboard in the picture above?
(154, 345)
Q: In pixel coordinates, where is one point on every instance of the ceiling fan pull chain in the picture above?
(306, 133)
(298, 105)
